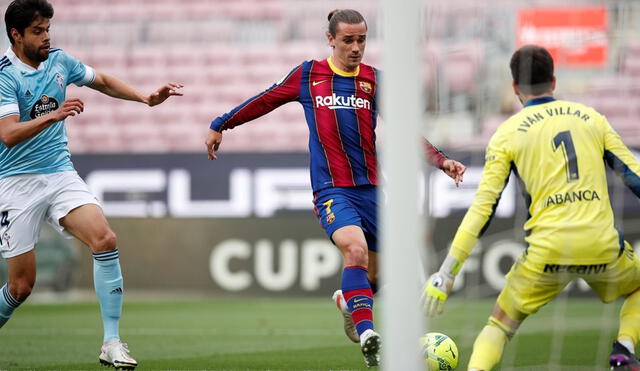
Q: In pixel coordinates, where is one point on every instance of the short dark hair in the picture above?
(532, 69)
(20, 14)
(348, 16)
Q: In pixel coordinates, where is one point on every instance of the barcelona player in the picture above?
(339, 98)
(558, 150)
(37, 178)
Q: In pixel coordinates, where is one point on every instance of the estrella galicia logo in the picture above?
(43, 106)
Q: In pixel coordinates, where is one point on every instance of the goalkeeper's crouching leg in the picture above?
(488, 347)
(629, 333)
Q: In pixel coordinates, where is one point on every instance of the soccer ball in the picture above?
(439, 351)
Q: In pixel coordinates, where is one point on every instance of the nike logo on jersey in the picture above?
(317, 82)
(359, 300)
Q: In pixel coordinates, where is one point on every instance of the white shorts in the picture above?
(26, 200)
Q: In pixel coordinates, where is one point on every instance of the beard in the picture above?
(36, 54)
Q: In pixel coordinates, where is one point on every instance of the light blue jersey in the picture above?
(31, 93)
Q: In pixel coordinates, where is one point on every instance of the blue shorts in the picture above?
(339, 207)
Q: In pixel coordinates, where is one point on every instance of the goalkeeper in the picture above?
(557, 150)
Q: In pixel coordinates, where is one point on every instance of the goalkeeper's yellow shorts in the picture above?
(530, 285)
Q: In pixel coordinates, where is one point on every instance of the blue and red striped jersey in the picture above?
(341, 110)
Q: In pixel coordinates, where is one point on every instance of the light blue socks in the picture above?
(107, 279)
(7, 305)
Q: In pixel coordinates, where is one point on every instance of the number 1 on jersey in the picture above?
(563, 139)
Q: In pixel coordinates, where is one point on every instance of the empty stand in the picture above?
(226, 51)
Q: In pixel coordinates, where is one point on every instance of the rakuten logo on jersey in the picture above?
(338, 102)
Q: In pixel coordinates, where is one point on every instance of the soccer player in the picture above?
(37, 178)
(339, 98)
(558, 150)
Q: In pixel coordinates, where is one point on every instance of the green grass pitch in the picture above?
(284, 334)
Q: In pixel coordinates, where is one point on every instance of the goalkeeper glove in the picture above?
(439, 286)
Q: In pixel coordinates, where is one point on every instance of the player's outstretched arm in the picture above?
(454, 169)
(284, 91)
(214, 138)
(13, 132)
(495, 175)
(116, 88)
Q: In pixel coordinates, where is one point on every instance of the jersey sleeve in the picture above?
(495, 175)
(8, 97)
(376, 95)
(620, 159)
(79, 73)
(284, 91)
(434, 155)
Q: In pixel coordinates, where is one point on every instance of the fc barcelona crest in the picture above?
(365, 86)
(330, 218)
